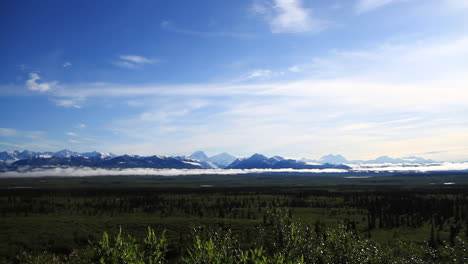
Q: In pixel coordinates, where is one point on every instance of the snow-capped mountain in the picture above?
(259, 161)
(9, 155)
(340, 159)
(333, 159)
(199, 155)
(222, 160)
(95, 154)
(65, 153)
(14, 159)
(411, 159)
(124, 161)
(218, 161)
(14, 155)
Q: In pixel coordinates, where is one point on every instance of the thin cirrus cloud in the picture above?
(287, 16)
(369, 88)
(259, 74)
(133, 61)
(11, 132)
(170, 27)
(80, 126)
(34, 84)
(458, 4)
(71, 102)
(8, 132)
(363, 6)
(372, 87)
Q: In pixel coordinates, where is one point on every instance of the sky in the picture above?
(297, 78)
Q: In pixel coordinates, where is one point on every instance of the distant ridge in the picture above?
(14, 159)
(259, 161)
(339, 159)
(221, 160)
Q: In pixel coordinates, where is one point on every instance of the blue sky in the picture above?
(362, 78)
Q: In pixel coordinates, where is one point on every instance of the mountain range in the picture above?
(221, 160)
(339, 159)
(259, 161)
(10, 156)
(14, 159)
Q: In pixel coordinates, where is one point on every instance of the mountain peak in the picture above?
(257, 156)
(222, 160)
(333, 159)
(199, 155)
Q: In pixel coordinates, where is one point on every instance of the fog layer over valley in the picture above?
(69, 163)
(360, 168)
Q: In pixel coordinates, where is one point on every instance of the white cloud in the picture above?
(287, 16)
(445, 166)
(33, 84)
(86, 171)
(459, 4)
(133, 61)
(8, 132)
(80, 126)
(69, 102)
(261, 73)
(72, 134)
(67, 64)
(363, 6)
(294, 68)
(169, 26)
(348, 101)
(136, 59)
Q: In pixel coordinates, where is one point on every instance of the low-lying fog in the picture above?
(86, 171)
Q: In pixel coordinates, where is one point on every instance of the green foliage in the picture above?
(214, 247)
(291, 242)
(128, 251)
(457, 254)
(60, 221)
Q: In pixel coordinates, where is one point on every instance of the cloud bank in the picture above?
(367, 168)
(86, 171)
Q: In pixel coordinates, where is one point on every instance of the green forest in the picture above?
(230, 219)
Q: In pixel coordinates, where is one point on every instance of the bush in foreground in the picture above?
(287, 241)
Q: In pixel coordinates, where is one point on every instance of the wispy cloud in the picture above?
(460, 4)
(72, 134)
(133, 61)
(170, 27)
(259, 74)
(395, 97)
(80, 126)
(33, 83)
(11, 132)
(363, 6)
(26, 139)
(8, 132)
(67, 64)
(287, 16)
(295, 68)
(73, 102)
